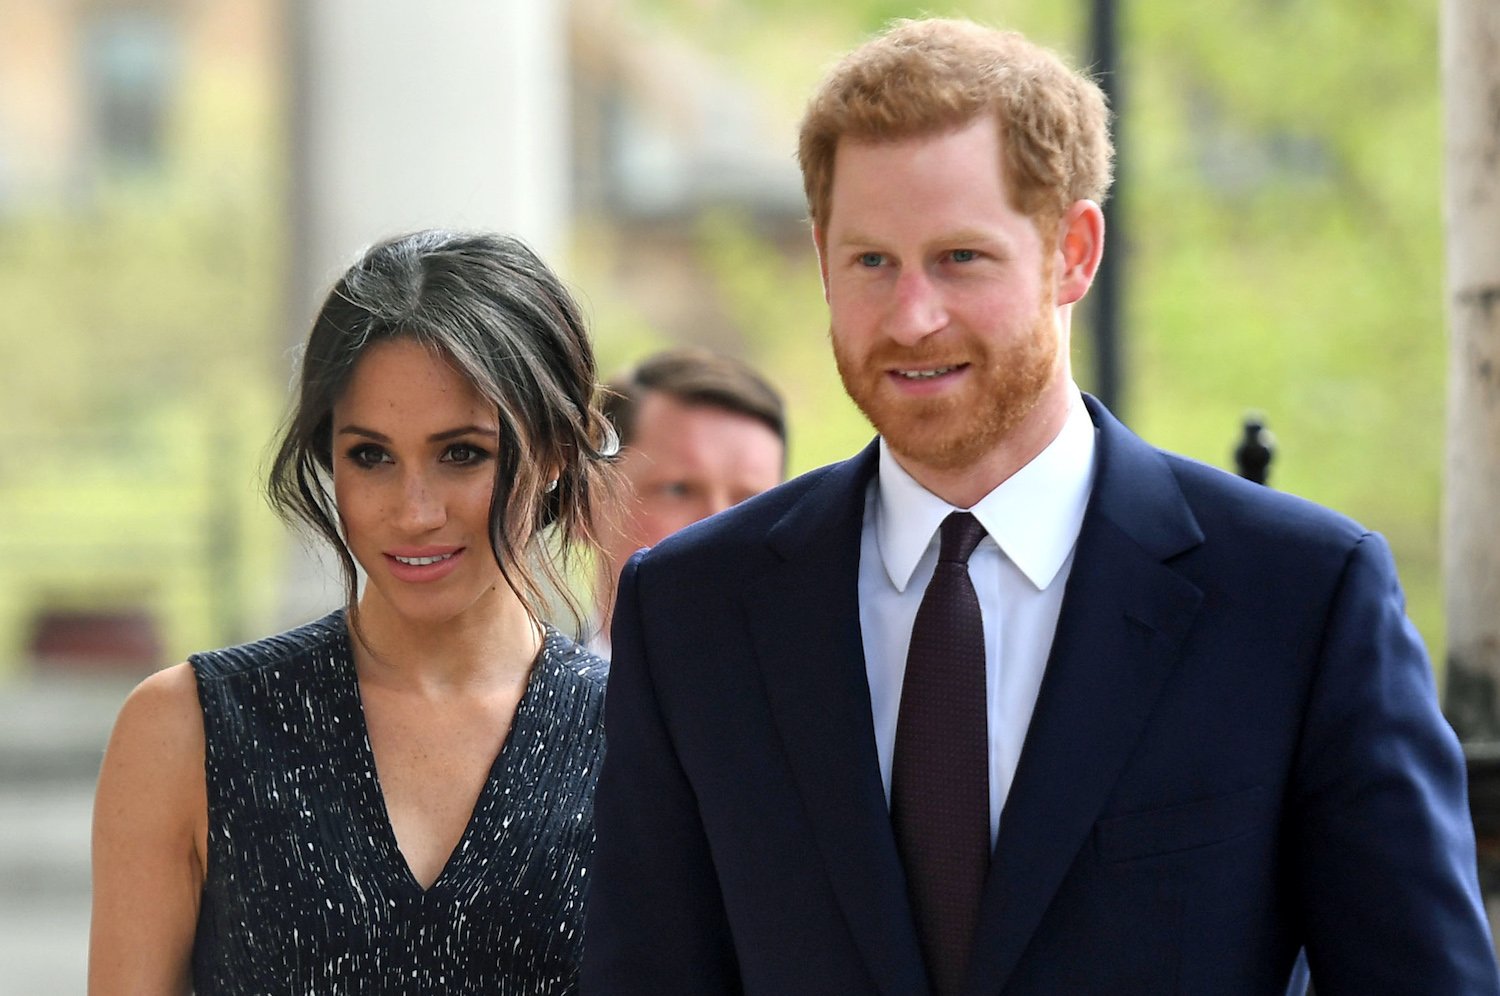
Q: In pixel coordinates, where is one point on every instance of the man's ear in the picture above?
(822, 250)
(1080, 247)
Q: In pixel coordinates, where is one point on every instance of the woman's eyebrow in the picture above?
(436, 437)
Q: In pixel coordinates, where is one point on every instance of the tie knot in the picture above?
(960, 533)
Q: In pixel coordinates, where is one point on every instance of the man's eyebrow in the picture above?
(957, 235)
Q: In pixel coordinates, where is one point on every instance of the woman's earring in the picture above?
(551, 486)
(610, 445)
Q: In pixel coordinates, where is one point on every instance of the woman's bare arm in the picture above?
(150, 826)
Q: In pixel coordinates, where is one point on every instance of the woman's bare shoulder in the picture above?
(148, 842)
(163, 709)
(157, 743)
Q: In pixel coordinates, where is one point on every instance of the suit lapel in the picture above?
(805, 617)
(1123, 619)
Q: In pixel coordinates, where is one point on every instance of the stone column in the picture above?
(407, 115)
(1471, 83)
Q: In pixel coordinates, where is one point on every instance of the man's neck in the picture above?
(964, 486)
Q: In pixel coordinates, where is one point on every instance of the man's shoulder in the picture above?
(1158, 494)
(1229, 508)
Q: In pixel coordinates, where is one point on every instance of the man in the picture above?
(699, 432)
(1207, 737)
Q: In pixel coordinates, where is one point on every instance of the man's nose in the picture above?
(917, 308)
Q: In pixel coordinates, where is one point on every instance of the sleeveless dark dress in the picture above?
(305, 889)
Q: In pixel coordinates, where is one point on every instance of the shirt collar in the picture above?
(1034, 515)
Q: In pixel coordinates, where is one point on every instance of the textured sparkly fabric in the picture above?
(306, 890)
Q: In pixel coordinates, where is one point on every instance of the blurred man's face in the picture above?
(686, 462)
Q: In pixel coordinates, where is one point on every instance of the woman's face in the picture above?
(413, 470)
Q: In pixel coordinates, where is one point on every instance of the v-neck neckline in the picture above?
(378, 813)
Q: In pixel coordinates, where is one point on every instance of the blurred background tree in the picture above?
(141, 247)
(1281, 228)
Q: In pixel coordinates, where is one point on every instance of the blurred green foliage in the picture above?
(137, 396)
(1280, 165)
(144, 371)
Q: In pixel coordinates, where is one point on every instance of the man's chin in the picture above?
(939, 450)
(947, 436)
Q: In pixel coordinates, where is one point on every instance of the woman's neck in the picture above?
(490, 645)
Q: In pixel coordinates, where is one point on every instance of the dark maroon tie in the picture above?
(940, 785)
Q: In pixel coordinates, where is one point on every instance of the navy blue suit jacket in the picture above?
(1236, 753)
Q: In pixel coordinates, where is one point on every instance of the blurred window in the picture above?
(129, 61)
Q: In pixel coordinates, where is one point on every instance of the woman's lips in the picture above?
(424, 564)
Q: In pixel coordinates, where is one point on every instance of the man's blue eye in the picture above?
(871, 259)
(964, 255)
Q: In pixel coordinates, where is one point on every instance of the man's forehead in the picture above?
(667, 425)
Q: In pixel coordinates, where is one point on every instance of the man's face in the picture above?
(941, 297)
(684, 463)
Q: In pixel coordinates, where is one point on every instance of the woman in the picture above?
(397, 797)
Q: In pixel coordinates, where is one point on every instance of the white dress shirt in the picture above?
(1019, 571)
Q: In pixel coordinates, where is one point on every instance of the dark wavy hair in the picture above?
(492, 308)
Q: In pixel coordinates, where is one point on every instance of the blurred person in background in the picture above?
(396, 797)
(1012, 701)
(699, 432)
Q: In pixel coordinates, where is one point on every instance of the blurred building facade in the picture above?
(180, 180)
(138, 185)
